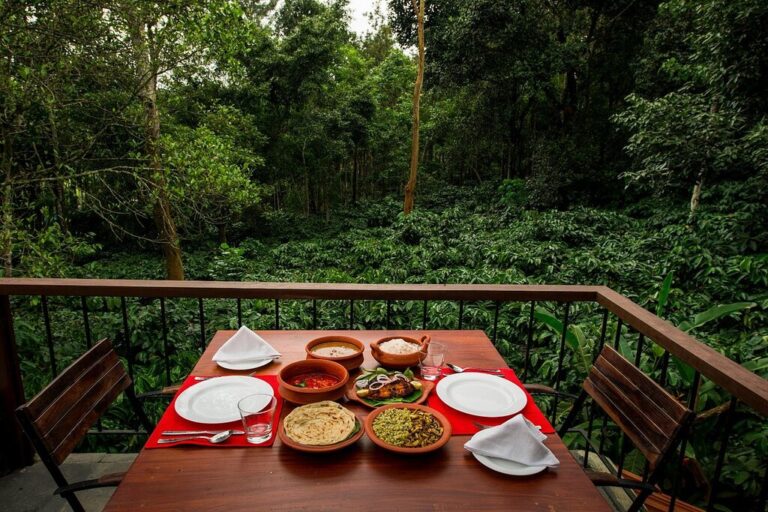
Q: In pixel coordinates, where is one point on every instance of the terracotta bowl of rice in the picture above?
(399, 352)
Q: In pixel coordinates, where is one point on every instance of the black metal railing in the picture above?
(591, 307)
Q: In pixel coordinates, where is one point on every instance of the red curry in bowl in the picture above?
(314, 380)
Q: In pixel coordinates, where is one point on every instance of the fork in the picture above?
(459, 369)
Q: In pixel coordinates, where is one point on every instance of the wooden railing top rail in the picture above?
(325, 291)
(737, 380)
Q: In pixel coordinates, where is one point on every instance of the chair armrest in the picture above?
(601, 479)
(541, 389)
(166, 392)
(109, 480)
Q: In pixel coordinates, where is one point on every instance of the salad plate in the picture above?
(482, 395)
(215, 400)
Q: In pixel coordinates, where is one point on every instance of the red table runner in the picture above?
(462, 423)
(172, 421)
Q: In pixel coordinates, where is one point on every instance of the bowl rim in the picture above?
(447, 429)
(327, 339)
(322, 362)
(399, 358)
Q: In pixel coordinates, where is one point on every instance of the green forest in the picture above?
(620, 143)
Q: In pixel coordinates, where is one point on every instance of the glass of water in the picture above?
(258, 414)
(432, 359)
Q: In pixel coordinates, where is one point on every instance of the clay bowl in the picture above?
(409, 451)
(397, 361)
(349, 362)
(303, 396)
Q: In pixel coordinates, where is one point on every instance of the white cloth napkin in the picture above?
(517, 440)
(245, 346)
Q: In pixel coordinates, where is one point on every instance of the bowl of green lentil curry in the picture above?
(407, 428)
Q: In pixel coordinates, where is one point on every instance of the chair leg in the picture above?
(73, 501)
(637, 504)
(572, 414)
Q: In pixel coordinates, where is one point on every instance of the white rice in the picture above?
(399, 346)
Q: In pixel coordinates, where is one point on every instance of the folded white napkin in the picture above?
(245, 346)
(517, 440)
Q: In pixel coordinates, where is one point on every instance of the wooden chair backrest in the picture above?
(650, 417)
(61, 414)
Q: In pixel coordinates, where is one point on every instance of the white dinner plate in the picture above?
(508, 467)
(215, 400)
(244, 365)
(481, 394)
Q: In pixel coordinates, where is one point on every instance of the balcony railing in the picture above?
(548, 333)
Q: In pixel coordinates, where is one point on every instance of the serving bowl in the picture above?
(302, 395)
(399, 449)
(349, 362)
(399, 361)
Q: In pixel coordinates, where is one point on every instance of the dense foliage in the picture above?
(622, 143)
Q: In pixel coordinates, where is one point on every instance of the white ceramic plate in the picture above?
(508, 467)
(215, 400)
(481, 394)
(244, 365)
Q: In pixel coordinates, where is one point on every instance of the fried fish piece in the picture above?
(397, 389)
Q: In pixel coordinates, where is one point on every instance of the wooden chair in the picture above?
(58, 418)
(652, 419)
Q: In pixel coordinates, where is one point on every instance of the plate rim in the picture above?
(205, 384)
(482, 377)
(489, 462)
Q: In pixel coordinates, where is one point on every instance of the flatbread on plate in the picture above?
(319, 424)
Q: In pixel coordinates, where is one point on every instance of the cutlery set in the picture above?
(215, 436)
(459, 369)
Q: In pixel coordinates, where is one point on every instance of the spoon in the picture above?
(215, 439)
(459, 369)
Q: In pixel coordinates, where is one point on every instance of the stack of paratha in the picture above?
(319, 424)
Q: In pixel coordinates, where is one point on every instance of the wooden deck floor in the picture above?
(31, 489)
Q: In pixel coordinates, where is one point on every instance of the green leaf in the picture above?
(686, 372)
(556, 325)
(664, 294)
(716, 312)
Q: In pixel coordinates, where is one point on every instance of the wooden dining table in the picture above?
(361, 477)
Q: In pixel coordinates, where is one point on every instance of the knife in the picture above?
(194, 432)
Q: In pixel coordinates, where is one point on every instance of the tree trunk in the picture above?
(355, 169)
(410, 187)
(695, 198)
(59, 197)
(6, 232)
(162, 213)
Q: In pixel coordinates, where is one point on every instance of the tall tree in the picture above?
(705, 124)
(410, 186)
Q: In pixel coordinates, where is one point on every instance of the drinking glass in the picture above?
(432, 359)
(258, 413)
